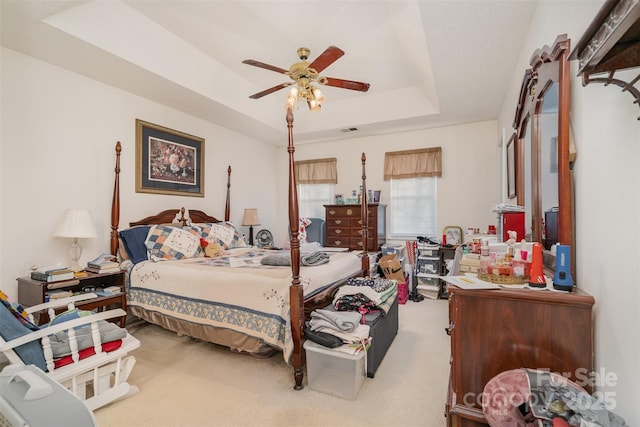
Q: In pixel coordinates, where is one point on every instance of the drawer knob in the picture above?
(338, 231)
(337, 242)
(349, 212)
(338, 221)
(332, 212)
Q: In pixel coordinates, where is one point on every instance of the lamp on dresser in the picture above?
(76, 224)
(250, 219)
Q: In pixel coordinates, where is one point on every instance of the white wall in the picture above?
(466, 190)
(58, 135)
(607, 193)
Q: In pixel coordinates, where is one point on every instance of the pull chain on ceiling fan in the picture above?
(304, 75)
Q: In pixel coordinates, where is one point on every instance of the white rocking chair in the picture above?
(98, 379)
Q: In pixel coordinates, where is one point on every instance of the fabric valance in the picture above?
(317, 171)
(417, 163)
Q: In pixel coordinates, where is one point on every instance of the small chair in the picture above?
(95, 374)
(315, 230)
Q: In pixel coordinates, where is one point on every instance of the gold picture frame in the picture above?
(168, 161)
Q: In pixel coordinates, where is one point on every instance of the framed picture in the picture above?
(168, 161)
(511, 167)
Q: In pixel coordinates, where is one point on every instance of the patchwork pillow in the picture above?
(222, 233)
(134, 242)
(166, 242)
(302, 229)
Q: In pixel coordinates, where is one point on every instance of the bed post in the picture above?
(296, 300)
(227, 205)
(364, 206)
(115, 203)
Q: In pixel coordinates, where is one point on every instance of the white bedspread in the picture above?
(233, 291)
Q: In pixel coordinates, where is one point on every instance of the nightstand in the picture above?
(32, 292)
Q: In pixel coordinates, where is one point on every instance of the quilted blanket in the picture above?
(234, 291)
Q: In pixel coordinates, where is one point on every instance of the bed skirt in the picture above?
(236, 341)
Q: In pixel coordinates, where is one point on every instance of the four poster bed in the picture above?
(233, 299)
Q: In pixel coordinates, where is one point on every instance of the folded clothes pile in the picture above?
(342, 324)
(283, 258)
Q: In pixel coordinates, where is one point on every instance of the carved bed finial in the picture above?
(115, 203)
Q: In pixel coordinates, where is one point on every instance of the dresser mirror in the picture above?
(543, 168)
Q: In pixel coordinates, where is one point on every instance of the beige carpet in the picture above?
(186, 382)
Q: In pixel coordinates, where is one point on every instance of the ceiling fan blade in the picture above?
(270, 90)
(265, 66)
(326, 58)
(346, 84)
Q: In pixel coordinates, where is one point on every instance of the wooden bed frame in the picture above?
(300, 309)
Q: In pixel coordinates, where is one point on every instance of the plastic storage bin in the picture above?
(428, 285)
(334, 372)
(429, 250)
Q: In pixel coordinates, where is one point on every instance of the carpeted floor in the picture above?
(186, 382)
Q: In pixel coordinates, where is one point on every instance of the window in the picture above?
(413, 175)
(413, 207)
(312, 197)
(316, 181)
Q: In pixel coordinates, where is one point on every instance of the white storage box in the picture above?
(334, 372)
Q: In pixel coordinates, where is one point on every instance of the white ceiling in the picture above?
(429, 63)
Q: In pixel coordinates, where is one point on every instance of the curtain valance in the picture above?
(413, 163)
(317, 171)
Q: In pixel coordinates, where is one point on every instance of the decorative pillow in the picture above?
(17, 311)
(134, 242)
(73, 314)
(223, 233)
(31, 352)
(169, 243)
(302, 229)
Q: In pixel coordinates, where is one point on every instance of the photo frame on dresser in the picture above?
(168, 161)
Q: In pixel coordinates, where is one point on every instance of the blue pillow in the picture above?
(31, 353)
(133, 239)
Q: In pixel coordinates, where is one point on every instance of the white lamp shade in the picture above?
(76, 223)
(250, 217)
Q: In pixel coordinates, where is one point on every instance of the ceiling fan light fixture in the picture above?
(305, 73)
(314, 97)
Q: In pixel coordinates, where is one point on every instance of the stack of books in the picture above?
(57, 294)
(108, 291)
(104, 263)
(52, 274)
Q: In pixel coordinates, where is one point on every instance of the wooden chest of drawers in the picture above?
(343, 228)
(493, 331)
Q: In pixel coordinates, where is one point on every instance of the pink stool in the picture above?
(505, 392)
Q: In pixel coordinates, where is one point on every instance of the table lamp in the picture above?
(250, 218)
(76, 224)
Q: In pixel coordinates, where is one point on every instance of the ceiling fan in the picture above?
(304, 74)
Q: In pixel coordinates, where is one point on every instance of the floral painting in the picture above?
(168, 161)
